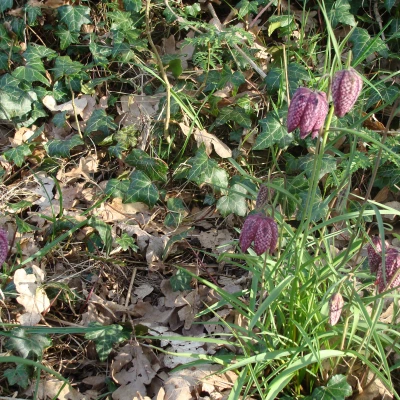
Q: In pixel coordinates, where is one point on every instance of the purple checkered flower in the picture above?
(336, 304)
(375, 253)
(3, 246)
(262, 196)
(392, 264)
(261, 230)
(307, 111)
(346, 87)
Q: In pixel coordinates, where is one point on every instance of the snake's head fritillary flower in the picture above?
(262, 196)
(375, 253)
(346, 87)
(307, 111)
(3, 246)
(335, 308)
(392, 264)
(261, 230)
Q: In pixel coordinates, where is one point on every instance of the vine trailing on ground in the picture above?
(161, 107)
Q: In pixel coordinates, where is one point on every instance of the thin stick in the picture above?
(128, 296)
(162, 71)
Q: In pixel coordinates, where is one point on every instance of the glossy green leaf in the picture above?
(319, 208)
(235, 114)
(234, 202)
(201, 164)
(364, 45)
(127, 242)
(155, 168)
(66, 37)
(104, 231)
(27, 344)
(32, 12)
(5, 5)
(381, 92)
(180, 281)
(307, 162)
(100, 121)
(74, 16)
(23, 226)
(17, 154)
(133, 5)
(246, 7)
(141, 189)
(64, 66)
(176, 211)
(339, 12)
(278, 21)
(174, 239)
(117, 188)
(62, 148)
(105, 337)
(336, 389)
(272, 132)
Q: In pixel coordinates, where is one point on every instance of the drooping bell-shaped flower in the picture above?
(3, 246)
(346, 87)
(261, 230)
(335, 308)
(375, 253)
(262, 196)
(307, 111)
(392, 264)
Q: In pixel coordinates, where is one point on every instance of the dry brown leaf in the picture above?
(396, 206)
(51, 103)
(214, 239)
(143, 290)
(209, 140)
(51, 389)
(31, 296)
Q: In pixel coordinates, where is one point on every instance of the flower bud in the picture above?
(3, 246)
(260, 229)
(335, 308)
(375, 253)
(307, 111)
(262, 196)
(346, 87)
(392, 264)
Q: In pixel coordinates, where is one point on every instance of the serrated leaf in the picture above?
(180, 281)
(127, 242)
(234, 202)
(64, 66)
(18, 376)
(141, 189)
(62, 148)
(5, 5)
(176, 212)
(74, 16)
(272, 131)
(105, 337)
(363, 45)
(235, 114)
(155, 168)
(104, 231)
(336, 389)
(117, 188)
(307, 162)
(66, 37)
(246, 7)
(18, 154)
(100, 121)
(339, 12)
(27, 344)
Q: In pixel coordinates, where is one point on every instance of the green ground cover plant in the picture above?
(199, 199)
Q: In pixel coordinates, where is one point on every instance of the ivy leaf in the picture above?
(176, 212)
(389, 4)
(336, 389)
(319, 208)
(62, 148)
(100, 53)
(32, 12)
(64, 66)
(155, 168)
(276, 77)
(18, 154)
(234, 202)
(235, 114)
(127, 136)
(181, 281)
(339, 12)
(35, 51)
(66, 37)
(127, 242)
(105, 337)
(5, 5)
(306, 164)
(133, 5)
(104, 231)
(74, 16)
(118, 188)
(381, 92)
(24, 227)
(27, 344)
(100, 121)
(272, 131)
(174, 239)
(363, 45)
(246, 7)
(201, 164)
(141, 189)
(279, 21)
(18, 376)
